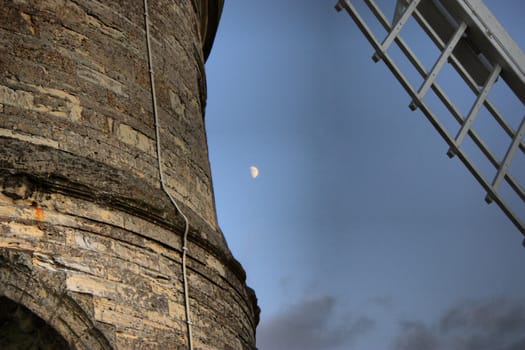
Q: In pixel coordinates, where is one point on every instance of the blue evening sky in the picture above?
(359, 232)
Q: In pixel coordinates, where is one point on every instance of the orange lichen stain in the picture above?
(39, 214)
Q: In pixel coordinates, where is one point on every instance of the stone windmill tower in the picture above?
(103, 163)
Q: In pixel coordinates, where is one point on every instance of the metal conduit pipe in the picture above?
(162, 180)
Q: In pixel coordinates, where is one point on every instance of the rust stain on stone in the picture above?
(39, 214)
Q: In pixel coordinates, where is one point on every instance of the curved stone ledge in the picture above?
(113, 193)
(133, 281)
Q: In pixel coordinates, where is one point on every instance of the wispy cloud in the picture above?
(470, 325)
(416, 335)
(312, 325)
(383, 301)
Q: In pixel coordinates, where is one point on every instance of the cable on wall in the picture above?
(162, 179)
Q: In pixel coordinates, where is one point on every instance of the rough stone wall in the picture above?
(75, 79)
(89, 242)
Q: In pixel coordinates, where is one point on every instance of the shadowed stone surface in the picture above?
(21, 329)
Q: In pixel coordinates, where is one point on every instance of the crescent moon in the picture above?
(254, 172)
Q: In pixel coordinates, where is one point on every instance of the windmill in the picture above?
(476, 45)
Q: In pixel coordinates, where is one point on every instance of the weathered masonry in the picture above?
(91, 246)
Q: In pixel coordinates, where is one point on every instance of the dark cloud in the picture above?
(416, 335)
(500, 315)
(382, 301)
(470, 325)
(311, 325)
